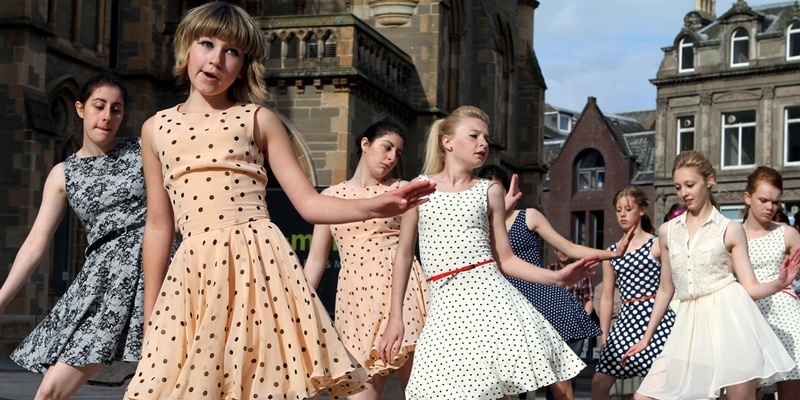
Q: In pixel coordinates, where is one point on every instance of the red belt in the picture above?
(457, 270)
(790, 292)
(652, 296)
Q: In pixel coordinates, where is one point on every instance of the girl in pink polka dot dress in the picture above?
(232, 316)
(483, 339)
(367, 250)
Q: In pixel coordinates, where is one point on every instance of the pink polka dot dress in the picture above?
(235, 317)
(367, 251)
(483, 339)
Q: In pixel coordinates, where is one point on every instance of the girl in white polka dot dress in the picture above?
(768, 244)
(232, 316)
(482, 338)
(719, 339)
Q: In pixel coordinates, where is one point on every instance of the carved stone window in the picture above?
(792, 135)
(685, 133)
(740, 48)
(738, 139)
(686, 54)
(793, 41)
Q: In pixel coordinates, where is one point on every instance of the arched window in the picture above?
(740, 48)
(590, 171)
(793, 41)
(686, 54)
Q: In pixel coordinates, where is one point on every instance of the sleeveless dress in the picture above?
(367, 251)
(719, 337)
(556, 304)
(482, 338)
(99, 318)
(638, 276)
(781, 310)
(235, 317)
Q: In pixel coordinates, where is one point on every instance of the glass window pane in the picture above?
(793, 112)
(793, 142)
(584, 181)
(687, 140)
(730, 154)
(687, 57)
(794, 44)
(748, 147)
(741, 51)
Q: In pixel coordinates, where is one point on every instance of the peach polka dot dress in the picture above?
(367, 252)
(235, 317)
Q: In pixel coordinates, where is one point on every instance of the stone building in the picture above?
(335, 66)
(602, 154)
(729, 86)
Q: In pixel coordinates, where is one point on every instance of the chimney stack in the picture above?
(706, 7)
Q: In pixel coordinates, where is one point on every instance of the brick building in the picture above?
(601, 155)
(335, 66)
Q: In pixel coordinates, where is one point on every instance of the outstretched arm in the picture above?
(537, 222)
(607, 301)
(393, 335)
(736, 241)
(51, 211)
(514, 266)
(315, 208)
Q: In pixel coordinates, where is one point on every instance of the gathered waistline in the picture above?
(457, 270)
(638, 299)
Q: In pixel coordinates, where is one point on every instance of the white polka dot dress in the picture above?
(482, 339)
(638, 276)
(367, 250)
(781, 310)
(235, 317)
(555, 303)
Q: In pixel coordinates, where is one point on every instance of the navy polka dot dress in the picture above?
(482, 339)
(638, 276)
(556, 303)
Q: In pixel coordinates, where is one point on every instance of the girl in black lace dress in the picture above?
(99, 318)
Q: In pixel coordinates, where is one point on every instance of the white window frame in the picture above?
(786, 123)
(734, 41)
(568, 118)
(686, 41)
(792, 31)
(728, 210)
(680, 130)
(740, 125)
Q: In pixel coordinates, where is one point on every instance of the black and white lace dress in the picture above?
(99, 318)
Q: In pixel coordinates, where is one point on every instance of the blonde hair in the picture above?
(697, 160)
(434, 150)
(220, 19)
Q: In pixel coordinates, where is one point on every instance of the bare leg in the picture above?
(789, 390)
(61, 380)
(742, 391)
(601, 386)
(374, 389)
(562, 390)
(405, 371)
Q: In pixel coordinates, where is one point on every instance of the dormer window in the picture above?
(564, 123)
(793, 41)
(686, 54)
(740, 48)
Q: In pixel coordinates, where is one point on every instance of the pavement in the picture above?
(17, 383)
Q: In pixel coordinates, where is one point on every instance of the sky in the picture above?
(608, 49)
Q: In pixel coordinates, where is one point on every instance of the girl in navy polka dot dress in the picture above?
(637, 275)
(482, 338)
(233, 317)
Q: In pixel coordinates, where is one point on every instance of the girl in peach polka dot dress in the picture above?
(232, 316)
(367, 250)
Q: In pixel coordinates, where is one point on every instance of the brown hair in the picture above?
(764, 174)
(232, 24)
(696, 159)
(641, 200)
(434, 151)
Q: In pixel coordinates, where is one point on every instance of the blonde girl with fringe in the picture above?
(482, 338)
(232, 316)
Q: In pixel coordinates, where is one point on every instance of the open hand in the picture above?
(402, 199)
(789, 268)
(623, 246)
(391, 340)
(513, 194)
(578, 270)
(633, 350)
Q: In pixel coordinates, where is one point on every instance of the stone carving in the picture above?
(393, 12)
